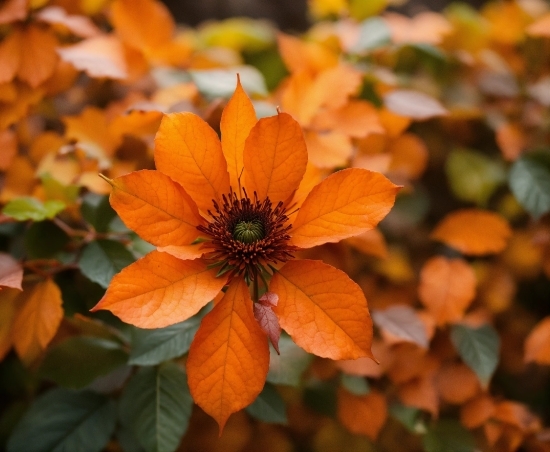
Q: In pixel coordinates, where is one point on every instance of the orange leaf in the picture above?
(238, 117)
(457, 383)
(275, 158)
(537, 344)
(371, 243)
(323, 310)
(409, 156)
(518, 415)
(189, 151)
(328, 150)
(366, 367)
(477, 411)
(511, 140)
(300, 55)
(229, 357)
(356, 118)
(156, 208)
(8, 144)
(8, 308)
(11, 272)
(473, 231)
(12, 11)
(426, 27)
(447, 287)
(38, 56)
(100, 56)
(10, 56)
(362, 415)
(159, 290)
(37, 319)
(540, 27)
(420, 393)
(142, 24)
(345, 204)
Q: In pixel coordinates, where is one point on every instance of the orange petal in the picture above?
(189, 151)
(238, 118)
(184, 252)
(345, 204)
(229, 357)
(473, 231)
(156, 208)
(323, 310)
(275, 157)
(37, 319)
(38, 57)
(447, 287)
(159, 290)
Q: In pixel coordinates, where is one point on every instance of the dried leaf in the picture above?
(266, 318)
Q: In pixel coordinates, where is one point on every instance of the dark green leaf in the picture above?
(102, 259)
(151, 347)
(479, 349)
(97, 211)
(355, 385)
(530, 182)
(269, 406)
(288, 367)
(78, 361)
(156, 404)
(65, 421)
(448, 436)
(27, 208)
(44, 240)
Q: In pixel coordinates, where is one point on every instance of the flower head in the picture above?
(230, 216)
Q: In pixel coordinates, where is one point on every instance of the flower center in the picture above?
(249, 231)
(246, 236)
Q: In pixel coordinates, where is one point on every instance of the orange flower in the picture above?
(228, 214)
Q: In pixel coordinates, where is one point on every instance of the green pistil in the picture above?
(249, 231)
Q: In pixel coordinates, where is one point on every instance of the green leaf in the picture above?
(373, 33)
(354, 384)
(63, 421)
(102, 259)
(448, 436)
(157, 404)
(56, 190)
(530, 182)
(288, 367)
(27, 208)
(97, 211)
(151, 347)
(269, 406)
(213, 83)
(44, 240)
(78, 361)
(409, 416)
(479, 349)
(473, 176)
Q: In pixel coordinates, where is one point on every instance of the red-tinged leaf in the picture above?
(346, 203)
(12, 11)
(275, 158)
(447, 287)
(473, 231)
(266, 318)
(37, 319)
(362, 415)
(238, 118)
(79, 25)
(100, 56)
(159, 290)
(401, 324)
(188, 150)
(537, 344)
(413, 104)
(229, 357)
(323, 310)
(142, 24)
(156, 208)
(11, 272)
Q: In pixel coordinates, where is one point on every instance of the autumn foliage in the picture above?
(235, 238)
